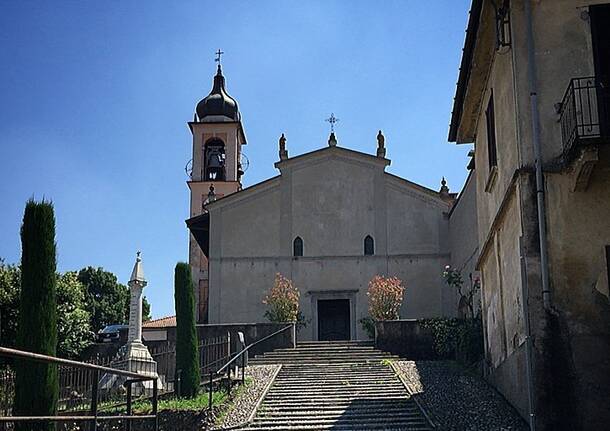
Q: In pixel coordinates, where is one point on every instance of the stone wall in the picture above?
(406, 338)
(252, 333)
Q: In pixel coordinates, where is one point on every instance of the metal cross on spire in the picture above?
(218, 54)
(332, 120)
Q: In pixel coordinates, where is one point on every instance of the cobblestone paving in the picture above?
(244, 403)
(458, 400)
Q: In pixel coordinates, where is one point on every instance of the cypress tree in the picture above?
(36, 383)
(186, 334)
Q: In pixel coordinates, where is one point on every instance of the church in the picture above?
(330, 220)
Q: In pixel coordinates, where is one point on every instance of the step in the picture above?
(343, 355)
(341, 385)
(329, 349)
(333, 399)
(334, 427)
(388, 421)
(337, 384)
(317, 361)
(337, 343)
(408, 406)
(331, 393)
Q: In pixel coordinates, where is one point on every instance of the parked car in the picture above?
(111, 333)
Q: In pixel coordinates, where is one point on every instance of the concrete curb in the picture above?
(411, 392)
(256, 407)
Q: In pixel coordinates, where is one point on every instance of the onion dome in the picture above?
(218, 105)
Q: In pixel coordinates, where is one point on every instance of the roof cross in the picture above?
(218, 54)
(332, 120)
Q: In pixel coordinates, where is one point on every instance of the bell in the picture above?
(214, 160)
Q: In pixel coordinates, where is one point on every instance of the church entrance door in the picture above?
(333, 319)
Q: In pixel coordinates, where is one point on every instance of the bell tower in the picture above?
(215, 170)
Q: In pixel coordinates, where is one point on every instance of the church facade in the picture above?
(330, 221)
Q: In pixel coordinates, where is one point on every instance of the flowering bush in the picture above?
(283, 301)
(453, 278)
(385, 297)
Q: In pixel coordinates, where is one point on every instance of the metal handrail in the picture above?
(93, 416)
(60, 361)
(245, 349)
(240, 354)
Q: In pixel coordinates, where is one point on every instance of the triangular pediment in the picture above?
(330, 153)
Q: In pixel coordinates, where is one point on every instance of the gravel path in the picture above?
(241, 407)
(457, 400)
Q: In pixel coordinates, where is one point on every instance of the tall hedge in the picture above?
(187, 361)
(36, 384)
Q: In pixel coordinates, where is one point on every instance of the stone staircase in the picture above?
(338, 386)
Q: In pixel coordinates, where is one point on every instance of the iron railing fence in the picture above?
(584, 114)
(89, 394)
(238, 361)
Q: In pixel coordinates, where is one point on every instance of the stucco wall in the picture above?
(563, 50)
(332, 200)
(464, 235)
(579, 231)
(492, 184)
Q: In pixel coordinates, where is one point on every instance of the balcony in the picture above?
(585, 115)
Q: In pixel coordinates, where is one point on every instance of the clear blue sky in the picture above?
(95, 96)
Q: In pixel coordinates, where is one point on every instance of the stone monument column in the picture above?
(134, 356)
(136, 284)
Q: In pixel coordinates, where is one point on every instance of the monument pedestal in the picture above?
(136, 358)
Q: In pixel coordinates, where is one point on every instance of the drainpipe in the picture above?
(529, 374)
(535, 116)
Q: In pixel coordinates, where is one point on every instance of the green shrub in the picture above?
(187, 361)
(461, 339)
(368, 325)
(36, 383)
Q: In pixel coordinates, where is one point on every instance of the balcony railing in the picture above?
(585, 114)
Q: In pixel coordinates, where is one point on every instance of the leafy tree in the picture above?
(186, 335)
(107, 300)
(10, 286)
(73, 320)
(74, 309)
(73, 329)
(36, 384)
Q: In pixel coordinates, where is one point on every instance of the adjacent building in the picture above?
(533, 96)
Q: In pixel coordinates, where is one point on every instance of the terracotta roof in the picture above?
(163, 322)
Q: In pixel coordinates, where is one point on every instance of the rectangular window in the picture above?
(491, 133)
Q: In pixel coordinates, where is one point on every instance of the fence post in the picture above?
(128, 421)
(96, 379)
(211, 384)
(243, 367)
(229, 351)
(178, 383)
(155, 401)
(294, 335)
